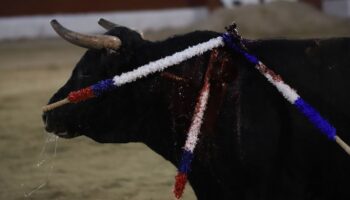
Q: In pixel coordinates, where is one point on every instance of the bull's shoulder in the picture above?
(188, 39)
(194, 36)
(150, 51)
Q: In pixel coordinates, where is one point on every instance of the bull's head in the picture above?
(110, 117)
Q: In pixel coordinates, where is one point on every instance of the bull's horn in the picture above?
(108, 25)
(86, 41)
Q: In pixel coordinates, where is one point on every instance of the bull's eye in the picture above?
(112, 52)
(83, 75)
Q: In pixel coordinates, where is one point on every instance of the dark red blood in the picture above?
(266, 70)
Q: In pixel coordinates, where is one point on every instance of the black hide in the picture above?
(259, 148)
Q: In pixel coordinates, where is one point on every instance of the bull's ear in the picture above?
(85, 40)
(142, 34)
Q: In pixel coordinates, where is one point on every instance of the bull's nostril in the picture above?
(48, 127)
(44, 117)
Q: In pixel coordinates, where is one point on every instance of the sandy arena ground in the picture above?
(31, 71)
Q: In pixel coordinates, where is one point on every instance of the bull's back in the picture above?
(283, 155)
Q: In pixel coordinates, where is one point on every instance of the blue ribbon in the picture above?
(103, 86)
(315, 118)
(185, 164)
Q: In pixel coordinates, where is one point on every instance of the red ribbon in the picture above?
(81, 95)
(180, 183)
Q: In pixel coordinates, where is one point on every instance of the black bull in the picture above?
(258, 147)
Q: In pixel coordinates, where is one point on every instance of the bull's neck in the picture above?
(158, 136)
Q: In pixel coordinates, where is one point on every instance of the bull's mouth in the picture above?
(59, 130)
(65, 135)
